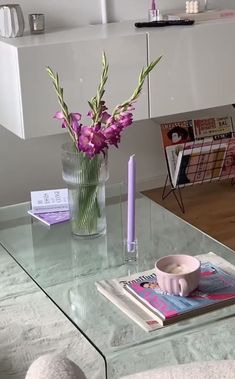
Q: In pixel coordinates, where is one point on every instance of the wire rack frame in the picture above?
(200, 162)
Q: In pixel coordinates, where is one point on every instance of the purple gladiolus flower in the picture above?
(126, 119)
(112, 137)
(113, 133)
(91, 141)
(105, 117)
(103, 106)
(90, 114)
(74, 118)
(60, 116)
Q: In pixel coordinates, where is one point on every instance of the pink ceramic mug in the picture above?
(178, 274)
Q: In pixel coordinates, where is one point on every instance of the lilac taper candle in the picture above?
(131, 203)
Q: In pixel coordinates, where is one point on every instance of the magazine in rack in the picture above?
(200, 164)
(199, 150)
(212, 294)
(217, 128)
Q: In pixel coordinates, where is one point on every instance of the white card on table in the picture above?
(50, 201)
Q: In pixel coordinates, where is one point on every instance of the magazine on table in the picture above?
(51, 218)
(216, 290)
(115, 292)
(49, 200)
(50, 206)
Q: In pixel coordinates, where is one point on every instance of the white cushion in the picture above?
(52, 366)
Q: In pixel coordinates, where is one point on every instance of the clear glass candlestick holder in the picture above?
(130, 250)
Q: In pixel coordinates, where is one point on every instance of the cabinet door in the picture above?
(10, 97)
(197, 68)
(79, 67)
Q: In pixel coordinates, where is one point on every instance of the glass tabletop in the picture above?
(66, 268)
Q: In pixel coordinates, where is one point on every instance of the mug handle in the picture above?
(184, 289)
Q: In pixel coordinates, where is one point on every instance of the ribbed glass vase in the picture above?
(85, 179)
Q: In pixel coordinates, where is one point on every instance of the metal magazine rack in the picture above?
(198, 162)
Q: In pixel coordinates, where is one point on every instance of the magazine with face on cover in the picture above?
(216, 288)
(115, 290)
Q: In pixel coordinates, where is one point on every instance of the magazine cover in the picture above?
(216, 288)
(114, 290)
(201, 165)
(177, 132)
(216, 128)
(228, 170)
(173, 155)
(51, 218)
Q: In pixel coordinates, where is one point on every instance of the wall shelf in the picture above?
(196, 71)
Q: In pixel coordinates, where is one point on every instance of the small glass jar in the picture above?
(37, 23)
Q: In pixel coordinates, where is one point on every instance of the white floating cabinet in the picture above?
(197, 69)
(27, 97)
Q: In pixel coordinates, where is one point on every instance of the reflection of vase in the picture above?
(85, 179)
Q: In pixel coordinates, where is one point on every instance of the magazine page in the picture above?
(177, 136)
(201, 164)
(216, 128)
(174, 155)
(215, 287)
(228, 170)
(117, 295)
(51, 218)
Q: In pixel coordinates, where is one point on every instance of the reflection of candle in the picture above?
(131, 203)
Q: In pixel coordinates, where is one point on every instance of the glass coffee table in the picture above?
(66, 269)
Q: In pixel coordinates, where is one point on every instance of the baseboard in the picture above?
(150, 183)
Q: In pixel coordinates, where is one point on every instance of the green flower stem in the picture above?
(60, 94)
(136, 93)
(89, 211)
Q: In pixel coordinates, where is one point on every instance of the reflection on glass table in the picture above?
(67, 268)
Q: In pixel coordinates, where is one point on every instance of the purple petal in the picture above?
(76, 116)
(58, 115)
(91, 141)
